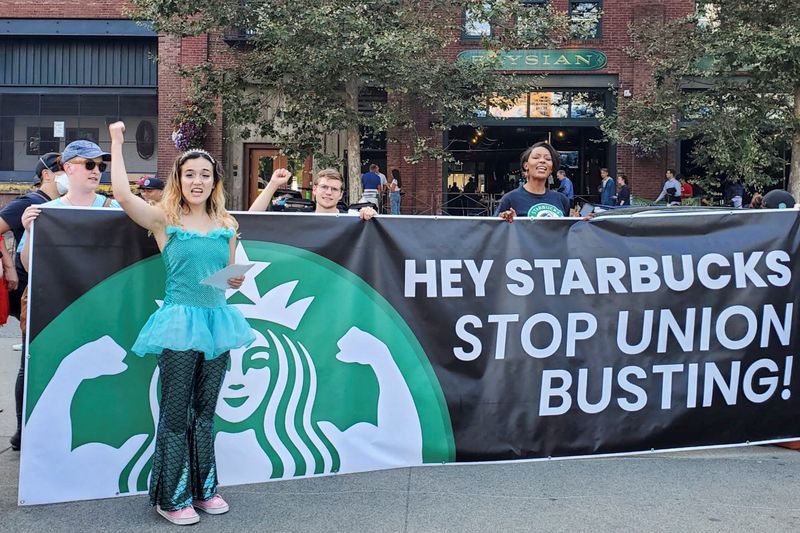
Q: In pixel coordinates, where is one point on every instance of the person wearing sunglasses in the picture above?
(84, 162)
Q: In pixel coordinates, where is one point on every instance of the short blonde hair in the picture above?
(330, 174)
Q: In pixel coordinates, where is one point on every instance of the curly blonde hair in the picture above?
(174, 204)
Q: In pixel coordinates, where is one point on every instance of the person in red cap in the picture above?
(151, 189)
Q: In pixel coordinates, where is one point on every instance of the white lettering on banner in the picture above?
(670, 328)
(669, 273)
(574, 334)
(608, 275)
(661, 333)
(448, 273)
(605, 392)
(675, 386)
(575, 278)
(782, 275)
(550, 391)
(610, 272)
(427, 277)
(524, 283)
(623, 380)
(464, 335)
(479, 275)
(451, 276)
(643, 274)
(548, 267)
(704, 271)
(502, 329)
(527, 335)
(769, 383)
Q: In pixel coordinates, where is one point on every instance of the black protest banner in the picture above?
(547, 338)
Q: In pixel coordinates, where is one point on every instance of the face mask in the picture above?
(62, 184)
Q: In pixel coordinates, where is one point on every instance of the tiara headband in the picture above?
(187, 153)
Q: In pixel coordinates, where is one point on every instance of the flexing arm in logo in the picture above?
(397, 438)
(92, 469)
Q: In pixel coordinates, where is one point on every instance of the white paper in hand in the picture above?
(220, 278)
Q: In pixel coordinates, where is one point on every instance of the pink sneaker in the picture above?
(181, 517)
(215, 505)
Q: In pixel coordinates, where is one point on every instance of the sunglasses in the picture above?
(90, 164)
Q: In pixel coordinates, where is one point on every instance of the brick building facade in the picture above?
(646, 175)
(424, 183)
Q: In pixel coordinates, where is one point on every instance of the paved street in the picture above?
(742, 489)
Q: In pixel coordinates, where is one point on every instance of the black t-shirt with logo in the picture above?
(549, 204)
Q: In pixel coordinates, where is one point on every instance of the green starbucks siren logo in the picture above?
(335, 382)
(544, 211)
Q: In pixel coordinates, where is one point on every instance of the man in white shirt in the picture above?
(672, 189)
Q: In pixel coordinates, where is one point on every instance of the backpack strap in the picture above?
(107, 202)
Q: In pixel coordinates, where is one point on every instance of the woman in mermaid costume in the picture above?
(194, 330)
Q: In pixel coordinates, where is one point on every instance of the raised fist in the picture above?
(117, 132)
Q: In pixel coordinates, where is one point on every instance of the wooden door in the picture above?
(261, 160)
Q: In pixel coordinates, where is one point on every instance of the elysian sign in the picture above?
(542, 59)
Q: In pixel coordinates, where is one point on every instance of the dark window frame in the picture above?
(467, 37)
(598, 34)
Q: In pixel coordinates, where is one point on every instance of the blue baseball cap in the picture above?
(85, 149)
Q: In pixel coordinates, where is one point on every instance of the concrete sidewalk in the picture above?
(742, 489)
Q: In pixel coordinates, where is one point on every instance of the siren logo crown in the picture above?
(273, 306)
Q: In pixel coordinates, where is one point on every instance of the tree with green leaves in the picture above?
(305, 64)
(727, 77)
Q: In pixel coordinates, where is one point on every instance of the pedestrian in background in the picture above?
(151, 189)
(565, 186)
(687, 191)
(372, 186)
(608, 188)
(733, 193)
(395, 191)
(671, 190)
(624, 193)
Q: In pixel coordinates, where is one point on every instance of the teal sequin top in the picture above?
(194, 316)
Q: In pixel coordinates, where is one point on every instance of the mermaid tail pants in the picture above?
(184, 466)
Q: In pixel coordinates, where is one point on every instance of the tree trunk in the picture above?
(794, 175)
(354, 143)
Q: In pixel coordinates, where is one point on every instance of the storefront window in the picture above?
(550, 104)
(514, 108)
(586, 105)
(28, 122)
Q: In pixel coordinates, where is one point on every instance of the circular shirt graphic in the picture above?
(544, 211)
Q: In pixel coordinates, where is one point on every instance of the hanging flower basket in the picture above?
(188, 134)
